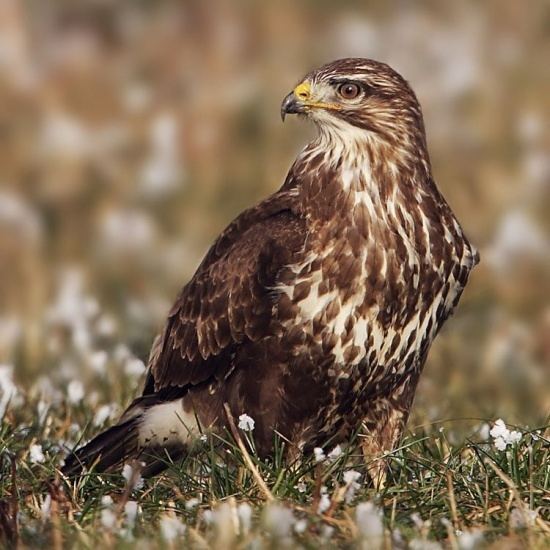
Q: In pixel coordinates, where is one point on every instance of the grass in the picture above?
(463, 494)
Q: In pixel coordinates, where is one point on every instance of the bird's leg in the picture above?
(383, 431)
(383, 426)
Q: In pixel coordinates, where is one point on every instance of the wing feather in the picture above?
(229, 300)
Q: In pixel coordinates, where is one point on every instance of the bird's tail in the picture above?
(152, 430)
(107, 450)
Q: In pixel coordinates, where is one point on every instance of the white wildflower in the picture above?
(36, 454)
(418, 521)
(131, 509)
(246, 423)
(351, 478)
(121, 353)
(108, 518)
(46, 507)
(171, 528)
(8, 389)
(522, 518)
(97, 361)
(279, 520)
(301, 486)
(132, 476)
(134, 367)
(203, 438)
(106, 325)
(192, 503)
(319, 454)
(244, 511)
(126, 231)
(369, 522)
(502, 436)
(324, 503)
(208, 516)
(104, 413)
(300, 526)
(162, 171)
(75, 392)
(42, 409)
(469, 540)
(335, 453)
(484, 431)
(423, 544)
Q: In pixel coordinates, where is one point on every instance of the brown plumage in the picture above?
(313, 312)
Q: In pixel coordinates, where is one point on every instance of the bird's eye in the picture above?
(349, 90)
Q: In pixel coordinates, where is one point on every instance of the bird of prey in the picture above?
(314, 310)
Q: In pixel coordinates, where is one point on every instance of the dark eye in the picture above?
(349, 90)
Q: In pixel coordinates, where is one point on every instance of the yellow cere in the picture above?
(303, 93)
(303, 90)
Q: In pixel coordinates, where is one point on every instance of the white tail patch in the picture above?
(167, 423)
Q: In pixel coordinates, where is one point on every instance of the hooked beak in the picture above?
(291, 105)
(300, 100)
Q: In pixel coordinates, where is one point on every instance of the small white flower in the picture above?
(502, 436)
(131, 509)
(522, 518)
(192, 503)
(351, 478)
(171, 528)
(300, 526)
(244, 511)
(484, 432)
(369, 522)
(134, 367)
(108, 518)
(104, 413)
(36, 454)
(75, 392)
(121, 353)
(279, 520)
(106, 325)
(301, 486)
(42, 409)
(469, 540)
(335, 453)
(98, 361)
(45, 507)
(324, 503)
(246, 423)
(319, 454)
(8, 390)
(203, 438)
(131, 476)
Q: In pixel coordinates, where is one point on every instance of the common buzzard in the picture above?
(314, 310)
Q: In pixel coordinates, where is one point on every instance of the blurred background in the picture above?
(132, 132)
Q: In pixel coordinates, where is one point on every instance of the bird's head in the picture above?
(356, 98)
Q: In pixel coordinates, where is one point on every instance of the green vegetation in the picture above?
(464, 495)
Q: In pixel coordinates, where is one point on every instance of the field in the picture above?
(132, 133)
(491, 490)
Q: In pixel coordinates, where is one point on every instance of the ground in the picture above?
(452, 484)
